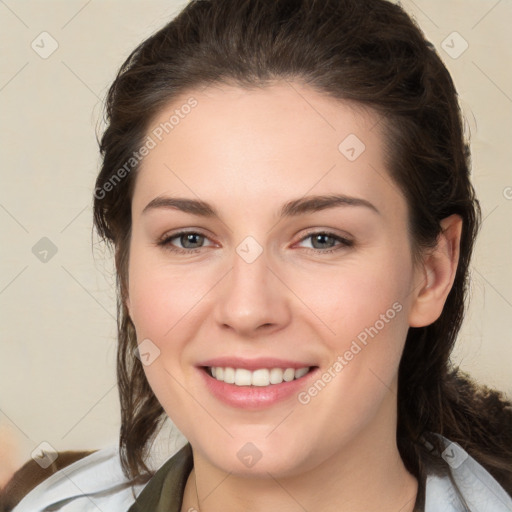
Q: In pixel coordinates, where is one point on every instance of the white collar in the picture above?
(97, 481)
(478, 487)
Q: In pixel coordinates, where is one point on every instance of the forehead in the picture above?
(226, 143)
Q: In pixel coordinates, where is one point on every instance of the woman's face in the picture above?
(269, 278)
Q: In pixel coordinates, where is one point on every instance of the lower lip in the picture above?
(254, 397)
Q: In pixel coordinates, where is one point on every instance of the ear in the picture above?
(436, 275)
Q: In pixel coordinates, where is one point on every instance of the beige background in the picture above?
(57, 375)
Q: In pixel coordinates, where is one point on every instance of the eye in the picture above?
(190, 241)
(326, 242)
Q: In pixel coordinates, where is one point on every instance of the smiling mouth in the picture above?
(261, 377)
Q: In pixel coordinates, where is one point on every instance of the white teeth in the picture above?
(229, 375)
(276, 376)
(301, 372)
(288, 374)
(260, 377)
(242, 377)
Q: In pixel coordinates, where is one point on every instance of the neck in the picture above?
(367, 475)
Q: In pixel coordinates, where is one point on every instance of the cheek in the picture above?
(363, 309)
(162, 297)
(165, 303)
(350, 297)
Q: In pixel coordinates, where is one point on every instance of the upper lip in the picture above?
(254, 364)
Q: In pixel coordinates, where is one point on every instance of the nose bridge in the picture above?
(251, 296)
(250, 267)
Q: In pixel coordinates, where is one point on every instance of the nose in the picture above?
(251, 300)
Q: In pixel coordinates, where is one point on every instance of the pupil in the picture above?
(190, 238)
(322, 238)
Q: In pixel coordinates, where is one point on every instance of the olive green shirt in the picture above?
(164, 492)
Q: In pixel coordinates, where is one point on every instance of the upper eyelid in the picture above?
(328, 232)
(170, 236)
(343, 240)
(183, 231)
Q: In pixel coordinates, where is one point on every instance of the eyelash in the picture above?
(344, 242)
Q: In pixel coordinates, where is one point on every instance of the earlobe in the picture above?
(437, 274)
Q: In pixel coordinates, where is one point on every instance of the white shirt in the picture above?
(97, 483)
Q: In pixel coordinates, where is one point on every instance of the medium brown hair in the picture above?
(368, 52)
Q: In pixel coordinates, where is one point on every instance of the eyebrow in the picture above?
(303, 205)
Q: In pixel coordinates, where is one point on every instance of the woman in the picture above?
(286, 186)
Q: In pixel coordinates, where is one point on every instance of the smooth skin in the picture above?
(246, 153)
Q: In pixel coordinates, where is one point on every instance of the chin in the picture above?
(259, 457)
